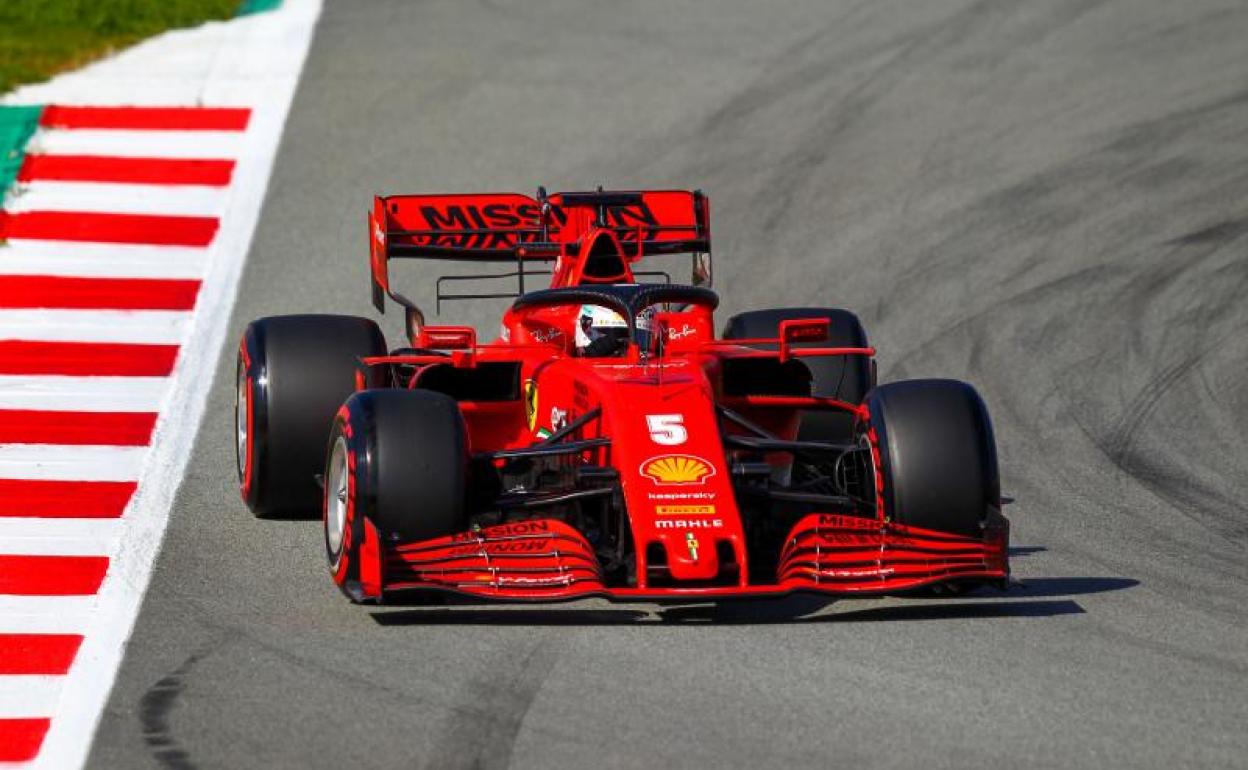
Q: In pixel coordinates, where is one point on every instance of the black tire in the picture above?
(846, 378)
(293, 373)
(938, 455)
(396, 472)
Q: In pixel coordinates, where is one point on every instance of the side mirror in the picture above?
(796, 330)
(701, 270)
(447, 338)
(414, 323)
(413, 318)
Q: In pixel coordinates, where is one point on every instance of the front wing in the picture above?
(548, 560)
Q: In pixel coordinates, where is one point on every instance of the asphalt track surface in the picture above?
(1046, 199)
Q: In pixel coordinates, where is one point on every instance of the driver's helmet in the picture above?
(602, 332)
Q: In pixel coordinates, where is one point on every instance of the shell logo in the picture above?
(677, 469)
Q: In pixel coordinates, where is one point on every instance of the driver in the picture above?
(601, 333)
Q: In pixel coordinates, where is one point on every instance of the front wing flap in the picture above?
(536, 559)
(835, 553)
(548, 560)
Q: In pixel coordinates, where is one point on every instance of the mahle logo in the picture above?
(677, 469)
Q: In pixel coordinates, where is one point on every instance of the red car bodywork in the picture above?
(658, 418)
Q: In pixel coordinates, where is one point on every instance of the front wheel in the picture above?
(395, 473)
(936, 453)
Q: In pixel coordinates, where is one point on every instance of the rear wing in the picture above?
(509, 227)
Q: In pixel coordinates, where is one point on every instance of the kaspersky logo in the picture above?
(677, 469)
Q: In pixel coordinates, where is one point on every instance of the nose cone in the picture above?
(667, 447)
(690, 547)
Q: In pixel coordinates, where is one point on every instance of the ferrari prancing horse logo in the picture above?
(530, 403)
(691, 542)
(677, 469)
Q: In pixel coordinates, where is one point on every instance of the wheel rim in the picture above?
(336, 498)
(240, 423)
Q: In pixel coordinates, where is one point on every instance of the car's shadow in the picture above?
(1025, 550)
(1032, 598)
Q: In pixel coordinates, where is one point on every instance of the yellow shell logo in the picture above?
(677, 469)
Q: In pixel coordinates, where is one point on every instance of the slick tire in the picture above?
(396, 472)
(292, 374)
(845, 378)
(937, 455)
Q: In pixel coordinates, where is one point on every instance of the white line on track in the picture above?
(177, 200)
(83, 394)
(71, 463)
(94, 260)
(45, 614)
(211, 145)
(69, 537)
(132, 326)
(29, 696)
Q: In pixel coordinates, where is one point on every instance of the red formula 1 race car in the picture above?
(608, 443)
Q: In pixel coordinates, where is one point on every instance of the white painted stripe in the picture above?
(45, 614)
(29, 696)
(137, 326)
(94, 260)
(20, 528)
(138, 144)
(178, 200)
(68, 537)
(71, 463)
(82, 394)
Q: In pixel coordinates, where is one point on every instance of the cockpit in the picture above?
(614, 319)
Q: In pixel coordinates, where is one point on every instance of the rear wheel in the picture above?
(937, 455)
(292, 374)
(845, 378)
(396, 472)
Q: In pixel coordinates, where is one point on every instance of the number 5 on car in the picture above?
(667, 429)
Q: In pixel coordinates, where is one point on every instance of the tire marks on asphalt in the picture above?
(155, 710)
(481, 728)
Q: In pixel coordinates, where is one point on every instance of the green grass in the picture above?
(39, 38)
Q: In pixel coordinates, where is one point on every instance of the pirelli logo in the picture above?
(685, 510)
